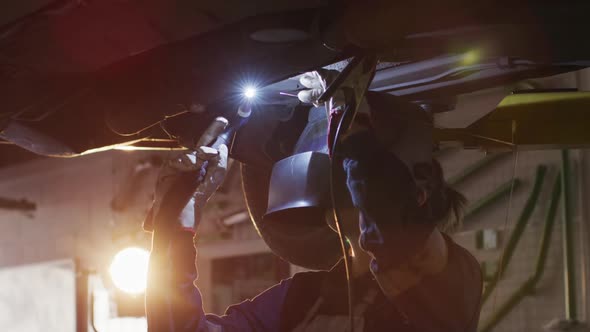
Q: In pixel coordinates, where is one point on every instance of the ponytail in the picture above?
(452, 221)
(445, 205)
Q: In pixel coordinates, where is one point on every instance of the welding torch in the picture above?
(231, 126)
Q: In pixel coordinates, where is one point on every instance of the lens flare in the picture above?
(129, 270)
(471, 57)
(250, 92)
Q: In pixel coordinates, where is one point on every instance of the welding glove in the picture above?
(316, 84)
(185, 184)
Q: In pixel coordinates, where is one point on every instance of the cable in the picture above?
(337, 217)
(510, 199)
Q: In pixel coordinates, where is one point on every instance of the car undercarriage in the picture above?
(81, 77)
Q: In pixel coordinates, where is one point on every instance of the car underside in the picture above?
(85, 76)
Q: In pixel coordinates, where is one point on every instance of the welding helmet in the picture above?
(298, 198)
(392, 179)
(288, 204)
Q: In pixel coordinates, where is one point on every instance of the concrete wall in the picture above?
(73, 215)
(548, 300)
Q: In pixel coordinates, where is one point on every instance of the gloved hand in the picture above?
(185, 184)
(316, 84)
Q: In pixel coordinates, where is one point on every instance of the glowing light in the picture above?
(471, 57)
(129, 270)
(250, 92)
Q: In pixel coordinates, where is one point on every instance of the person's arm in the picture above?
(173, 303)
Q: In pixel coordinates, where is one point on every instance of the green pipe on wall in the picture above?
(516, 234)
(492, 197)
(569, 271)
(528, 287)
(475, 167)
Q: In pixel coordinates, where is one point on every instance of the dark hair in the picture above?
(445, 205)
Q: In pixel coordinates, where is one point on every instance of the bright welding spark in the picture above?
(250, 92)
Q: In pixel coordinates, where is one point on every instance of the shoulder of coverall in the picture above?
(303, 292)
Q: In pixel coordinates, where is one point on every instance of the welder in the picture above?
(395, 206)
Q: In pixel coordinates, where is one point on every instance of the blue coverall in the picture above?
(446, 302)
(449, 302)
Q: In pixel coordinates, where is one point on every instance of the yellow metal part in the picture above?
(530, 121)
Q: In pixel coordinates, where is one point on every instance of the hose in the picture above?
(345, 120)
